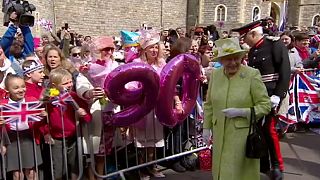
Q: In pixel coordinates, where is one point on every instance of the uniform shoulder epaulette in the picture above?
(273, 38)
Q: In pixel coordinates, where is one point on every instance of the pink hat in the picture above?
(104, 42)
(148, 37)
(36, 41)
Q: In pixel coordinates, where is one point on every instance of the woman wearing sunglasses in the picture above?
(75, 57)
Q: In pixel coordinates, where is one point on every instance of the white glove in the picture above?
(235, 112)
(275, 100)
(206, 135)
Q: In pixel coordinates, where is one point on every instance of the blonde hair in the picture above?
(56, 76)
(159, 59)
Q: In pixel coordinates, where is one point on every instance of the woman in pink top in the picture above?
(148, 132)
(97, 73)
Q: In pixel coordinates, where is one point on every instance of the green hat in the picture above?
(228, 47)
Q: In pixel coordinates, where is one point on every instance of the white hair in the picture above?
(258, 29)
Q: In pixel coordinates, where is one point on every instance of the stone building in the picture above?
(304, 12)
(96, 17)
(228, 14)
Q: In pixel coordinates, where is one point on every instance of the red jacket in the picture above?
(69, 119)
(34, 90)
(3, 94)
(32, 125)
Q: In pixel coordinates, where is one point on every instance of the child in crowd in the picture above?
(64, 119)
(5, 68)
(22, 131)
(33, 76)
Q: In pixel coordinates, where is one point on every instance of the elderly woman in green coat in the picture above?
(233, 90)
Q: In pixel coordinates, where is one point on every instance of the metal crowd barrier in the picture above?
(126, 155)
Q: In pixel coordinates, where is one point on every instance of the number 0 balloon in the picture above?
(187, 67)
(139, 101)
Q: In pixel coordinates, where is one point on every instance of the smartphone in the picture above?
(66, 26)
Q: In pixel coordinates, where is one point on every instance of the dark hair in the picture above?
(87, 37)
(182, 45)
(173, 36)
(16, 48)
(9, 77)
(301, 36)
(204, 48)
(204, 40)
(289, 34)
(212, 28)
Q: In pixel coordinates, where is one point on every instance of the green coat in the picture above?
(244, 90)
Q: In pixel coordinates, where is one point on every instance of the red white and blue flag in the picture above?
(308, 98)
(304, 100)
(290, 117)
(62, 100)
(21, 112)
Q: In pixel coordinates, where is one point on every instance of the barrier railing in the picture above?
(126, 153)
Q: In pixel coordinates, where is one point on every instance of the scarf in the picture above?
(303, 53)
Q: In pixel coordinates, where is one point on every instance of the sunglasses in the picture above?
(76, 54)
(107, 49)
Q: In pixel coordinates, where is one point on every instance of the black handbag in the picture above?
(256, 145)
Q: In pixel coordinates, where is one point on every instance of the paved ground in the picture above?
(301, 154)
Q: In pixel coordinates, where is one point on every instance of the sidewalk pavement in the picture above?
(301, 155)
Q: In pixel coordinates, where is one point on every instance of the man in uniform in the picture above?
(270, 57)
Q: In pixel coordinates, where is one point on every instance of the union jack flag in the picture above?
(62, 100)
(308, 88)
(21, 112)
(303, 99)
(290, 117)
(48, 26)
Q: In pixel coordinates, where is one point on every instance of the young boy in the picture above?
(33, 76)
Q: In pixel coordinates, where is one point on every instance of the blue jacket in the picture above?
(8, 37)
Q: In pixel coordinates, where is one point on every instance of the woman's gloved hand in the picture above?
(275, 100)
(236, 112)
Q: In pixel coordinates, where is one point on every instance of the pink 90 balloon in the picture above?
(187, 67)
(139, 101)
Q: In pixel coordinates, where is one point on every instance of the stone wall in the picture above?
(293, 12)
(238, 12)
(100, 17)
(308, 9)
(109, 17)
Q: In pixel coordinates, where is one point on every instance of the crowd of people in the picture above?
(78, 65)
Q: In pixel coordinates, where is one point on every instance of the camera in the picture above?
(23, 10)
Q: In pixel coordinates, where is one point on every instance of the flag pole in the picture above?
(50, 145)
(2, 154)
(19, 148)
(64, 144)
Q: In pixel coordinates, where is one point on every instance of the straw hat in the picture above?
(148, 38)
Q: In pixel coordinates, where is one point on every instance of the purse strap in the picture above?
(253, 121)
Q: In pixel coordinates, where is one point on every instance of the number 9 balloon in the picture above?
(187, 67)
(139, 101)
